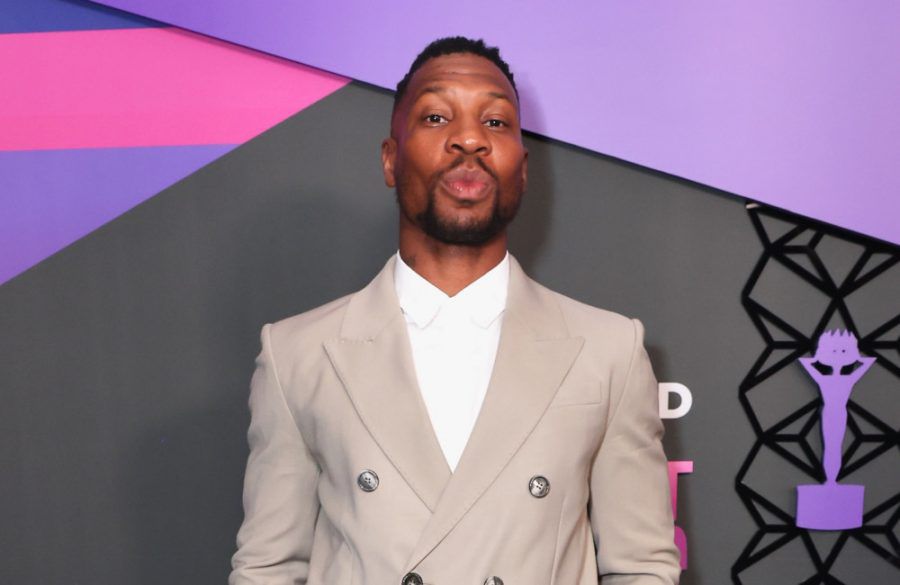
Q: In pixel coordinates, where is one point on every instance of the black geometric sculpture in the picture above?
(793, 243)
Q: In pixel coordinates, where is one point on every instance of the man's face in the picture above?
(455, 155)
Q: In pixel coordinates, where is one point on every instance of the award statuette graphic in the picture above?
(836, 367)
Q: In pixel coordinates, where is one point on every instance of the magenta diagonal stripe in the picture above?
(50, 198)
(144, 87)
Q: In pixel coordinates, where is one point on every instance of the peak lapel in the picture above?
(374, 361)
(534, 355)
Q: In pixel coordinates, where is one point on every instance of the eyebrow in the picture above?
(440, 89)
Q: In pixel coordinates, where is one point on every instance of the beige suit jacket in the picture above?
(572, 398)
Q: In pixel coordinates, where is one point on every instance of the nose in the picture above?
(468, 137)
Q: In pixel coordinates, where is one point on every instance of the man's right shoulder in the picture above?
(313, 326)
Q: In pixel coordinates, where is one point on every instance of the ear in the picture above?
(388, 158)
(525, 171)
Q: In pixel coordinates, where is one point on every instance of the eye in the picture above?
(435, 119)
(495, 123)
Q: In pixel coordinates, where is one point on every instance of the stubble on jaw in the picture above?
(471, 233)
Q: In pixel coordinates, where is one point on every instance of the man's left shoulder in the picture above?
(595, 324)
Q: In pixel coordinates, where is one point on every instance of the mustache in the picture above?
(460, 160)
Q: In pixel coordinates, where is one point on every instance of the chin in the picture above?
(463, 233)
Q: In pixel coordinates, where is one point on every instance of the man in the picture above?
(454, 422)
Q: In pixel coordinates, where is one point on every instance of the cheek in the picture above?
(511, 176)
(419, 161)
(510, 159)
(413, 175)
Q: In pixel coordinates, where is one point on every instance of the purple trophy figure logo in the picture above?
(836, 367)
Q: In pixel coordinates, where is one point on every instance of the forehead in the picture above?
(460, 71)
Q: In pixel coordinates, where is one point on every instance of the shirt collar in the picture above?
(483, 300)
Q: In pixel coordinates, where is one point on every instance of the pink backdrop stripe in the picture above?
(144, 87)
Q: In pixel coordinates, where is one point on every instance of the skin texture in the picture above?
(456, 158)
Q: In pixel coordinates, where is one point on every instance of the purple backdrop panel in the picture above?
(790, 103)
(50, 198)
(17, 16)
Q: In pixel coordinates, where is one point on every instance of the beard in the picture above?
(455, 231)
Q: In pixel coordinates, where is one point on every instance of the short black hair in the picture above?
(450, 46)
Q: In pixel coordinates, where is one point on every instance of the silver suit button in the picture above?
(539, 486)
(493, 581)
(367, 481)
(412, 579)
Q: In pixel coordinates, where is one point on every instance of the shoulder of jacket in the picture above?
(584, 319)
(609, 337)
(317, 324)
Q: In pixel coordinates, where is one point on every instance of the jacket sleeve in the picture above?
(280, 502)
(630, 509)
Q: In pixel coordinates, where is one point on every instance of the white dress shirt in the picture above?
(454, 342)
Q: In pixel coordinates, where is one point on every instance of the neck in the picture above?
(450, 268)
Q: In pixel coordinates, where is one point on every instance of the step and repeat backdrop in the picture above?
(175, 175)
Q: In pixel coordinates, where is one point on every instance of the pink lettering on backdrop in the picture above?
(677, 468)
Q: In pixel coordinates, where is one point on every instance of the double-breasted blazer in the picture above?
(572, 399)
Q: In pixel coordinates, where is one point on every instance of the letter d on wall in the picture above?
(685, 400)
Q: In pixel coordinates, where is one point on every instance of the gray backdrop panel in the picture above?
(125, 359)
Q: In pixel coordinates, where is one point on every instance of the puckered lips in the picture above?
(468, 184)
